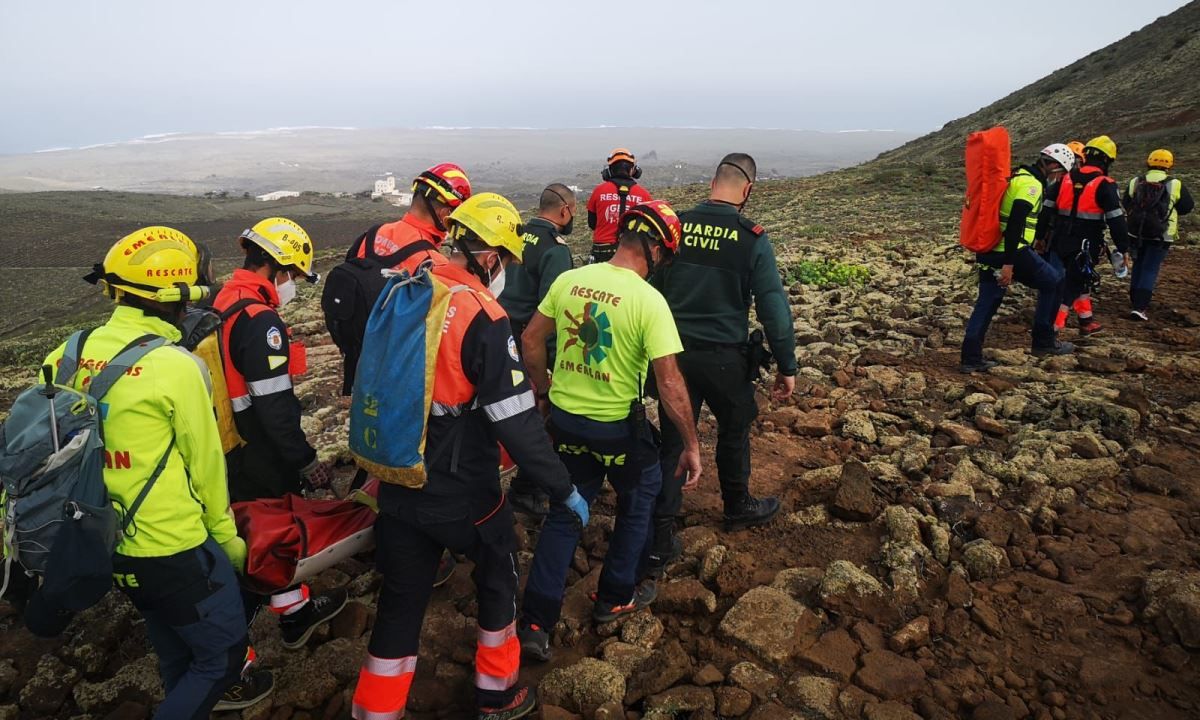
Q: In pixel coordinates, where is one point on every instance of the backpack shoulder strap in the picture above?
(239, 306)
(70, 359)
(404, 253)
(623, 194)
(141, 496)
(127, 358)
(366, 240)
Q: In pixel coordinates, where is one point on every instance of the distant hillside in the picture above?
(1141, 90)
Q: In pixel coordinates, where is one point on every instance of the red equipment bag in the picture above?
(291, 539)
(989, 166)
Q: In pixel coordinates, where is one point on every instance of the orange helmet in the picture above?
(446, 182)
(620, 154)
(1077, 148)
(658, 218)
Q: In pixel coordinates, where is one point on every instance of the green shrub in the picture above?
(828, 273)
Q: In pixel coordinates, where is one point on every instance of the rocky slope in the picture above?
(1011, 545)
(1132, 89)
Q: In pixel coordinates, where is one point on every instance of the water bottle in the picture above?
(1118, 263)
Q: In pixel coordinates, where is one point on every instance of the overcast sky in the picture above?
(74, 72)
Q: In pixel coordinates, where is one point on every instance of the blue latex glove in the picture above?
(576, 504)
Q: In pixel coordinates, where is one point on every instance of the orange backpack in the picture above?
(989, 165)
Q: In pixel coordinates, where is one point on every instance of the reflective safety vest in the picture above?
(1022, 186)
(453, 392)
(1087, 208)
(1174, 189)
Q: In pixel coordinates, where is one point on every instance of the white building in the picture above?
(278, 195)
(386, 189)
(387, 186)
(575, 189)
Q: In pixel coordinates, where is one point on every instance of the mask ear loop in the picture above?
(472, 264)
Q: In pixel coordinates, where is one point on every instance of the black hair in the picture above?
(1094, 156)
(256, 257)
(621, 169)
(554, 196)
(736, 167)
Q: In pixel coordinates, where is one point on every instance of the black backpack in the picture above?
(350, 292)
(1150, 209)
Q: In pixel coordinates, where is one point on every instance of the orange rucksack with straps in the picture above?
(989, 165)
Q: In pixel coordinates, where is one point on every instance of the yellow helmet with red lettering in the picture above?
(157, 263)
(1161, 159)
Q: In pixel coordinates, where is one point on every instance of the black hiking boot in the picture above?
(643, 595)
(751, 512)
(661, 557)
(530, 503)
(981, 366)
(522, 704)
(1058, 348)
(255, 685)
(535, 642)
(298, 627)
(445, 569)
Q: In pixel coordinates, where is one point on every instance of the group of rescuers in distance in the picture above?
(557, 360)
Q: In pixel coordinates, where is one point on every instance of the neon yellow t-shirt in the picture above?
(610, 324)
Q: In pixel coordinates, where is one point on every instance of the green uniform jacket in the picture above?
(166, 394)
(546, 257)
(724, 262)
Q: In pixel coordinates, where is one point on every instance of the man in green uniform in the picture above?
(725, 262)
(547, 256)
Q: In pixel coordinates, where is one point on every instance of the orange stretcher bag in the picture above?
(989, 165)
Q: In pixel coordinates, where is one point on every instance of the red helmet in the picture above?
(658, 218)
(446, 182)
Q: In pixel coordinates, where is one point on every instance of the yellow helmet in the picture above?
(1105, 145)
(157, 263)
(491, 218)
(285, 241)
(1161, 159)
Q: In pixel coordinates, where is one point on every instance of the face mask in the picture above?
(566, 229)
(496, 286)
(287, 292)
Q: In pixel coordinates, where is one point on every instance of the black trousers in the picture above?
(410, 534)
(256, 471)
(719, 377)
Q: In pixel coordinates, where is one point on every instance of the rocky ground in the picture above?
(1018, 544)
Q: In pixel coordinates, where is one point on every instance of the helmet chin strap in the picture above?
(437, 221)
(472, 264)
(648, 254)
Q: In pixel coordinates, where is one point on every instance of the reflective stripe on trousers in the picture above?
(383, 685)
(497, 659)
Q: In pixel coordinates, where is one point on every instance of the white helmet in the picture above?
(1060, 154)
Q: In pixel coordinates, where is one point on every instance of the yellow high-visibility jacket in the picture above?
(166, 394)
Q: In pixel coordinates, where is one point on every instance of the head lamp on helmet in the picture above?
(156, 263)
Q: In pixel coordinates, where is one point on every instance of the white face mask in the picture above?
(496, 286)
(287, 292)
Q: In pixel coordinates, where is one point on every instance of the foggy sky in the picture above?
(74, 73)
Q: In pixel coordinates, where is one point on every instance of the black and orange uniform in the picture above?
(481, 395)
(609, 200)
(1080, 206)
(415, 240)
(258, 355)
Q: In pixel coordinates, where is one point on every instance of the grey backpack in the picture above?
(58, 520)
